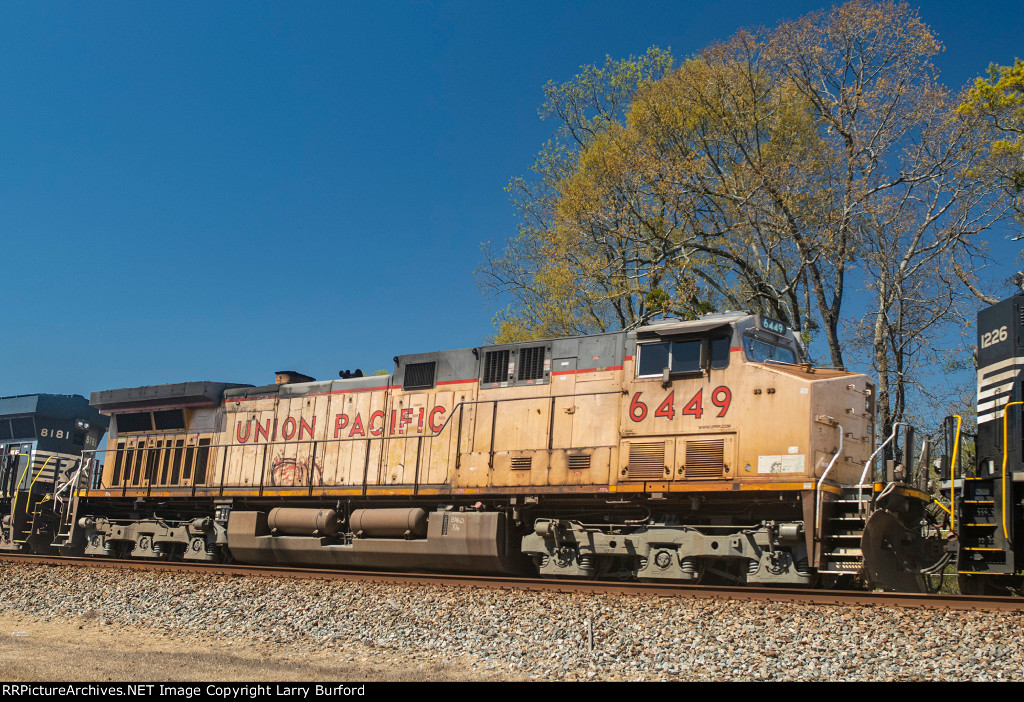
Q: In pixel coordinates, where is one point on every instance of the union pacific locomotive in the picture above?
(681, 451)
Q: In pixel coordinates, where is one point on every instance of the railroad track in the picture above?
(835, 597)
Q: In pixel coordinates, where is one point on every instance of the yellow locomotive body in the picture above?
(671, 451)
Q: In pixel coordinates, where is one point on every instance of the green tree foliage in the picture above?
(999, 100)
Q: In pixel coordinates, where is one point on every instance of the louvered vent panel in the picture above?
(646, 461)
(705, 459)
(531, 363)
(522, 463)
(419, 376)
(496, 366)
(579, 462)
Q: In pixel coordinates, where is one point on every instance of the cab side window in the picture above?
(677, 356)
(761, 351)
(720, 351)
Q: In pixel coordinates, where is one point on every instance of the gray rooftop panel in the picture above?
(197, 393)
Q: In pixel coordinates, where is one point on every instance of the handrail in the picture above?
(17, 486)
(817, 486)
(41, 469)
(864, 473)
(73, 479)
(30, 486)
(952, 475)
(1007, 406)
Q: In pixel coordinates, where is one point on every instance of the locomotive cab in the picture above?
(41, 442)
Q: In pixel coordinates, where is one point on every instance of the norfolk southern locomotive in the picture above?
(987, 502)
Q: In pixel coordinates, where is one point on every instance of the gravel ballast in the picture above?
(532, 635)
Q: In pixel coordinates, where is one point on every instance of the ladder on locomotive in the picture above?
(35, 509)
(842, 540)
(841, 544)
(69, 502)
(983, 516)
(21, 495)
(984, 544)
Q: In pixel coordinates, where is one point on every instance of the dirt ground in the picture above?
(87, 650)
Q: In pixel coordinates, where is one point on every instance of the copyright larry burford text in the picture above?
(169, 691)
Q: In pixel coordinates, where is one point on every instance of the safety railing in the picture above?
(1006, 447)
(21, 478)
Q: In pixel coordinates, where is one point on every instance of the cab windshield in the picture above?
(760, 351)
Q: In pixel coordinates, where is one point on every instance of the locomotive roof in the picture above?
(49, 405)
(297, 389)
(661, 327)
(196, 393)
(455, 364)
(705, 323)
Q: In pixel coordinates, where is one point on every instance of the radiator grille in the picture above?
(531, 363)
(579, 462)
(496, 366)
(705, 459)
(522, 463)
(419, 376)
(646, 461)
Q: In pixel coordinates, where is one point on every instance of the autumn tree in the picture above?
(772, 171)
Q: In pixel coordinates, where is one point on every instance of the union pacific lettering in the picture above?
(346, 426)
(269, 430)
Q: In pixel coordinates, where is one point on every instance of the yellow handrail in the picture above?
(13, 506)
(952, 475)
(41, 469)
(1006, 407)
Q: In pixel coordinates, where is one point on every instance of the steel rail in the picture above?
(809, 596)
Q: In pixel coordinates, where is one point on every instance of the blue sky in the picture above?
(220, 190)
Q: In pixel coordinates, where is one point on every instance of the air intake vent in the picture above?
(579, 462)
(646, 461)
(496, 366)
(522, 463)
(705, 459)
(531, 363)
(419, 376)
